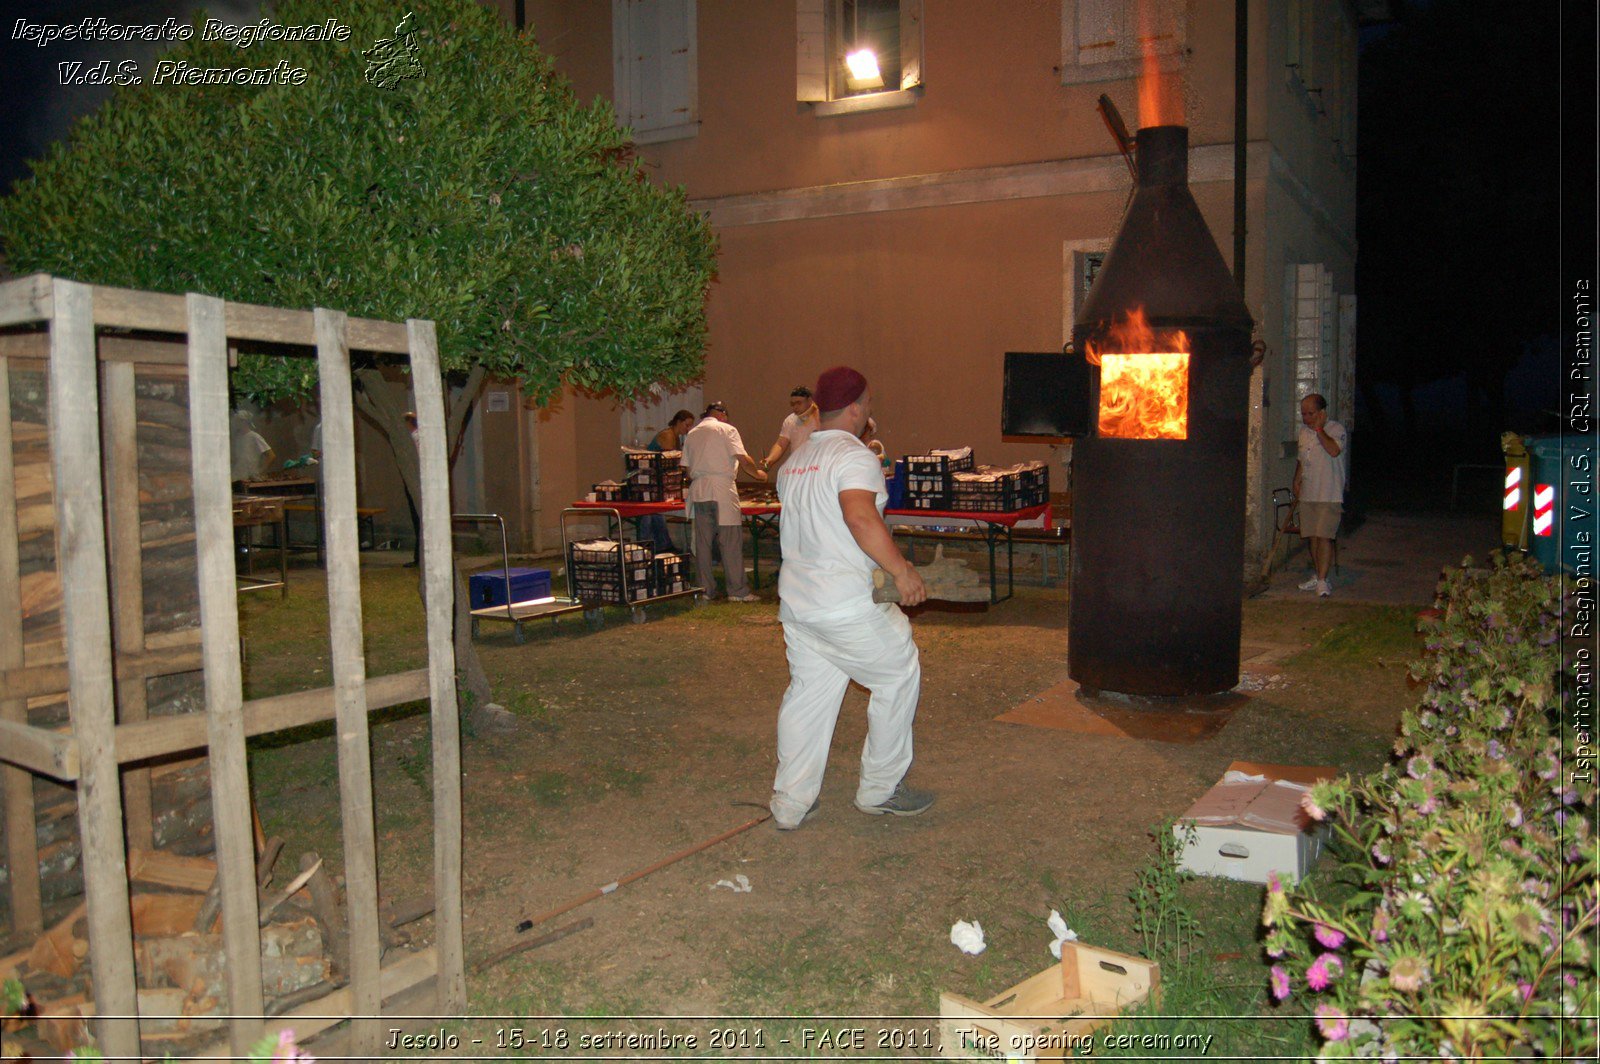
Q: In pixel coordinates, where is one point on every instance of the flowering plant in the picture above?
(1470, 931)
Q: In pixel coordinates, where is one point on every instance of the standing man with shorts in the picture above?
(833, 533)
(1319, 483)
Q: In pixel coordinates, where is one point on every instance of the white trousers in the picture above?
(874, 648)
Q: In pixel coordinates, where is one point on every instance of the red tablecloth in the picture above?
(750, 509)
(674, 506)
(1008, 518)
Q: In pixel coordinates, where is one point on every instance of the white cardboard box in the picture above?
(1250, 824)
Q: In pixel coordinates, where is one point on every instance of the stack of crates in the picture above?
(671, 574)
(605, 571)
(610, 491)
(929, 477)
(1035, 484)
(654, 476)
(988, 489)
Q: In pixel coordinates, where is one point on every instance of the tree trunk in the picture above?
(383, 402)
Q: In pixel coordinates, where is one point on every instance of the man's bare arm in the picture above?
(873, 537)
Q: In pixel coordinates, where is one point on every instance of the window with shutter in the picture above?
(1106, 40)
(829, 32)
(655, 66)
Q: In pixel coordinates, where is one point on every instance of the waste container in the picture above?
(1561, 503)
(1514, 506)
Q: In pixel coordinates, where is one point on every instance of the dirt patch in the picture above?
(638, 741)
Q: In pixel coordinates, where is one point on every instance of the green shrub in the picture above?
(1469, 933)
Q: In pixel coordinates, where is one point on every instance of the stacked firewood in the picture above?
(179, 958)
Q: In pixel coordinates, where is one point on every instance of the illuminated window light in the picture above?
(864, 73)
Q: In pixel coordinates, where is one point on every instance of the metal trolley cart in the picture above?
(623, 574)
(516, 613)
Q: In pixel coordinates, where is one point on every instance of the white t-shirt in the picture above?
(796, 430)
(824, 570)
(245, 453)
(1322, 476)
(711, 453)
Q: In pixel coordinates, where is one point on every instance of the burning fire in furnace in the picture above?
(1144, 381)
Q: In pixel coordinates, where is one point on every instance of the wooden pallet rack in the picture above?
(91, 345)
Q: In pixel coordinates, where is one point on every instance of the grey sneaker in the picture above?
(744, 598)
(790, 827)
(903, 802)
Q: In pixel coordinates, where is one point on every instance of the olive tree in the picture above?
(460, 180)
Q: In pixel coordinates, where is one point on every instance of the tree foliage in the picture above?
(481, 195)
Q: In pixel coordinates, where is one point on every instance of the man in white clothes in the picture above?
(249, 453)
(713, 454)
(797, 427)
(832, 532)
(1319, 482)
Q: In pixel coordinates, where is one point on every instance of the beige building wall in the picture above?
(922, 243)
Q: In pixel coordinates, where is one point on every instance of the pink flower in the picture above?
(1323, 971)
(1526, 988)
(1274, 886)
(1408, 974)
(1330, 937)
(1280, 982)
(288, 1052)
(1333, 1024)
(1313, 810)
(1380, 925)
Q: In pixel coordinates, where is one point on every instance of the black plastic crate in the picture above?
(940, 462)
(610, 491)
(658, 487)
(994, 492)
(671, 574)
(927, 492)
(599, 571)
(651, 461)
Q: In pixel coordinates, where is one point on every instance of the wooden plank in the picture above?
(349, 674)
(51, 678)
(161, 736)
(312, 1018)
(40, 750)
(28, 345)
(22, 840)
(162, 869)
(438, 584)
(224, 677)
(81, 550)
(26, 299)
(119, 435)
(159, 312)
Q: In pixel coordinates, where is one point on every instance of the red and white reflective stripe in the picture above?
(1513, 487)
(1544, 509)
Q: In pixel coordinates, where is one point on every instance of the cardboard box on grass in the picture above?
(1052, 1015)
(1246, 830)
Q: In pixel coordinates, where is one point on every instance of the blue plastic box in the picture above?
(489, 588)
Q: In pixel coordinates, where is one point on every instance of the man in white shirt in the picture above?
(713, 454)
(833, 533)
(249, 454)
(797, 427)
(1319, 484)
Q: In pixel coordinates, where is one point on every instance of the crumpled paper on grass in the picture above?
(968, 937)
(1063, 933)
(739, 885)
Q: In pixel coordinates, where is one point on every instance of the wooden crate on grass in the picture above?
(1052, 1015)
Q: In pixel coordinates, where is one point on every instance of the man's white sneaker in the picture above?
(744, 598)
(1324, 589)
(1310, 585)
